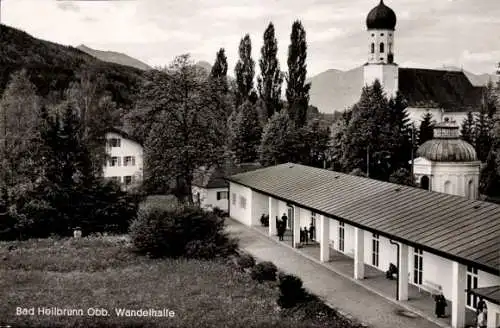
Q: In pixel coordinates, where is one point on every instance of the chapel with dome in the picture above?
(447, 163)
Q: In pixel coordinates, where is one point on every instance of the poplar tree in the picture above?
(245, 71)
(271, 79)
(219, 70)
(297, 91)
(247, 134)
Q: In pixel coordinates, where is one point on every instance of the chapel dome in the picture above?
(381, 17)
(446, 146)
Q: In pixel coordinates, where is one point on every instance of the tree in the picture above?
(369, 140)
(96, 110)
(317, 143)
(219, 83)
(402, 176)
(186, 127)
(273, 149)
(247, 134)
(245, 71)
(271, 80)
(426, 130)
(19, 109)
(297, 91)
(401, 142)
(468, 128)
(482, 136)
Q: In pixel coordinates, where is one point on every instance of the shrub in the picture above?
(264, 271)
(182, 231)
(219, 212)
(291, 291)
(246, 261)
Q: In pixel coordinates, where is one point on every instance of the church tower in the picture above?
(381, 23)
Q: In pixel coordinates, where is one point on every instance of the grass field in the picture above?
(103, 273)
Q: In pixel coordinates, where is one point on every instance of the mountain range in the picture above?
(114, 57)
(53, 67)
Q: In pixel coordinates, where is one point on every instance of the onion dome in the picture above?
(381, 17)
(446, 146)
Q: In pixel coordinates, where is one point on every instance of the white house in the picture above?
(439, 241)
(210, 189)
(125, 159)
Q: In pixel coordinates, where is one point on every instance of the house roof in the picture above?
(215, 177)
(491, 293)
(450, 226)
(123, 133)
(450, 90)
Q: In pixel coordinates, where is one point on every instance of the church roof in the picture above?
(450, 90)
(446, 146)
(381, 17)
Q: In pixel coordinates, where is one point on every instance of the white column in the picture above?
(403, 273)
(324, 248)
(296, 226)
(273, 212)
(493, 315)
(458, 298)
(359, 248)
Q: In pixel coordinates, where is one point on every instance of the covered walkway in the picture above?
(341, 293)
(419, 301)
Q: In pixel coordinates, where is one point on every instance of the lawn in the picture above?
(104, 273)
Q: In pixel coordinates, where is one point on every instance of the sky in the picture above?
(429, 33)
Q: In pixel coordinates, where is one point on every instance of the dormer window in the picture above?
(382, 48)
(381, 34)
(114, 142)
(373, 34)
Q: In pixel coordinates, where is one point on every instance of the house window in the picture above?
(373, 34)
(234, 198)
(381, 34)
(372, 48)
(129, 161)
(243, 202)
(341, 236)
(472, 278)
(128, 179)
(418, 266)
(375, 249)
(114, 142)
(382, 48)
(222, 195)
(115, 161)
(116, 179)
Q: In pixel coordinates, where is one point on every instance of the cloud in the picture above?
(68, 6)
(155, 31)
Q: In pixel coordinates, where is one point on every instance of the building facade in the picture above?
(442, 242)
(438, 92)
(125, 159)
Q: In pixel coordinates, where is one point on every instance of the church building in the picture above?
(440, 92)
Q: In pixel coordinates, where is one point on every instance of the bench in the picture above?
(431, 287)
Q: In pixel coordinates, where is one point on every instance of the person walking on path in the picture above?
(281, 228)
(306, 235)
